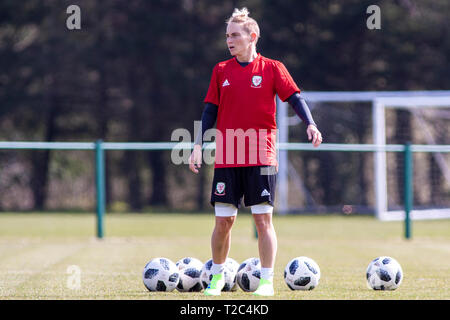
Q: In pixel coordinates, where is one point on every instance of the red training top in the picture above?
(246, 119)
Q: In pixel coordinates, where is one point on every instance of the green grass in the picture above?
(36, 250)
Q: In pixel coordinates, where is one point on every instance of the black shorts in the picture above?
(255, 184)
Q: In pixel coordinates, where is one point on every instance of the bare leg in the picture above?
(267, 239)
(221, 238)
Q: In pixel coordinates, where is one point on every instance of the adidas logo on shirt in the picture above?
(225, 83)
(265, 193)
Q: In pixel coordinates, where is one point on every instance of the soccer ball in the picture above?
(231, 269)
(302, 273)
(190, 270)
(160, 274)
(230, 272)
(384, 273)
(206, 275)
(249, 274)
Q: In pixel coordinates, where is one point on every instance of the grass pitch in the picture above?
(36, 251)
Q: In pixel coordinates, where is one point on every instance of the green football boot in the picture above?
(216, 285)
(265, 288)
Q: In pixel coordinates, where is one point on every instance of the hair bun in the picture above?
(240, 13)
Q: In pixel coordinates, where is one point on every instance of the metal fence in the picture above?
(99, 147)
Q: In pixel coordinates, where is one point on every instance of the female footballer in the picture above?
(241, 99)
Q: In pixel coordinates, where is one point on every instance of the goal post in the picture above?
(381, 104)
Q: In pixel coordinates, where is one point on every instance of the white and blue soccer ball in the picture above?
(384, 273)
(160, 274)
(302, 273)
(190, 270)
(206, 274)
(230, 273)
(249, 274)
(231, 268)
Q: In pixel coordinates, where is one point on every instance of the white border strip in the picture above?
(426, 214)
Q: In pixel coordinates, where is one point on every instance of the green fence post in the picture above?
(100, 184)
(408, 186)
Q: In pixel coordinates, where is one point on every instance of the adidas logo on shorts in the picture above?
(265, 193)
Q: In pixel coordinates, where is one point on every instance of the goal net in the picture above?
(368, 180)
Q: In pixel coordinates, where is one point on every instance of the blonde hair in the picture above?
(249, 24)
